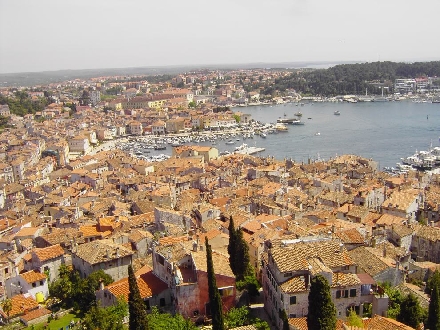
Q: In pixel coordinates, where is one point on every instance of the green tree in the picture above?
(433, 322)
(159, 321)
(237, 317)
(85, 293)
(322, 311)
(242, 256)
(63, 287)
(136, 307)
(109, 318)
(354, 320)
(396, 299)
(411, 313)
(285, 320)
(7, 307)
(192, 104)
(232, 246)
(433, 281)
(215, 301)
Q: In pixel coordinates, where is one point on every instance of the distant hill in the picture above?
(356, 78)
(47, 77)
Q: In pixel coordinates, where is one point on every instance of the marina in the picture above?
(382, 131)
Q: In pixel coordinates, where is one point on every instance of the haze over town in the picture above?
(52, 35)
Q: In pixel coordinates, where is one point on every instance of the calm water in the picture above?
(383, 131)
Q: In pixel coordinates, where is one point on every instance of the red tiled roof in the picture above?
(33, 276)
(48, 253)
(148, 284)
(35, 314)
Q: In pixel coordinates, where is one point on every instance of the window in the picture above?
(342, 294)
(160, 259)
(34, 285)
(292, 316)
(292, 300)
(162, 302)
(147, 304)
(226, 292)
(6, 270)
(352, 292)
(289, 274)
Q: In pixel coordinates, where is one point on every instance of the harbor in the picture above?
(385, 132)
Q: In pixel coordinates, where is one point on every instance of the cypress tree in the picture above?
(433, 322)
(285, 320)
(322, 311)
(136, 307)
(232, 246)
(242, 255)
(215, 300)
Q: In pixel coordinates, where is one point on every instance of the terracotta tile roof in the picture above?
(27, 231)
(92, 231)
(22, 303)
(428, 233)
(384, 323)
(33, 276)
(388, 220)
(367, 261)
(294, 256)
(344, 279)
(36, 313)
(300, 323)
(149, 285)
(220, 261)
(100, 251)
(48, 253)
(350, 236)
(172, 240)
(295, 284)
(138, 235)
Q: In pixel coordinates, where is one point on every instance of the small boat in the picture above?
(281, 127)
(309, 118)
(337, 113)
(263, 135)
(298, 114)
(230, 142)
(317, 133)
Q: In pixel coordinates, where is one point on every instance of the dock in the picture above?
(249, 150)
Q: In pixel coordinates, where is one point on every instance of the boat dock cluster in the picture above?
(142, 146)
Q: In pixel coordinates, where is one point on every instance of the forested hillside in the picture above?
(353, 78)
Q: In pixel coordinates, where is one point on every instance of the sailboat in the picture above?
(382, 98)
(365, 98)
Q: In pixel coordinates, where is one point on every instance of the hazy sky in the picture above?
(38, 35)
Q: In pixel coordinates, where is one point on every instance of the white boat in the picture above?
(230, 142)
(317, 133)
(280, 127)
(243, 146)
(337, 113)
(263, 135)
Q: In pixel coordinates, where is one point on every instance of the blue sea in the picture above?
(383, 131)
